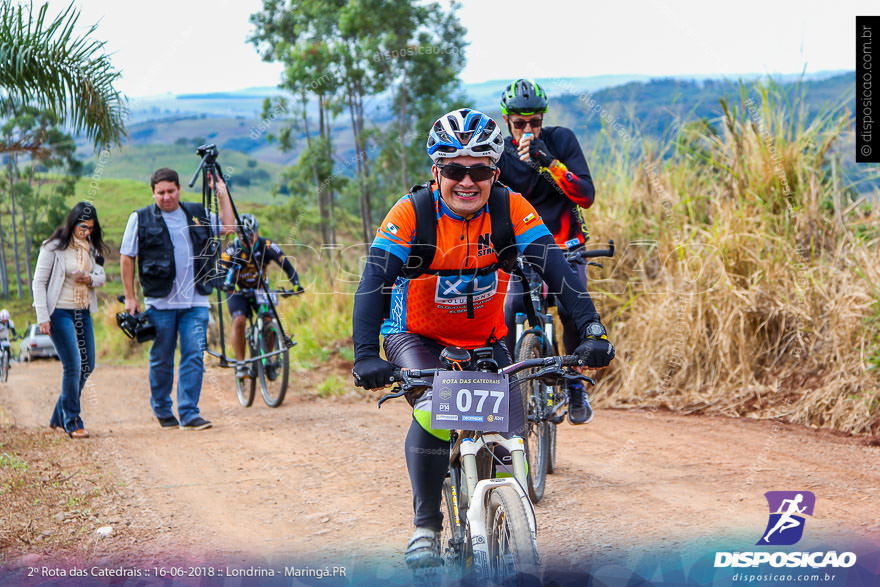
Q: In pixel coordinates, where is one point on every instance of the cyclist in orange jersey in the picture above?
(457, 299)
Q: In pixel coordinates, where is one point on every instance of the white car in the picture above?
(35, 344)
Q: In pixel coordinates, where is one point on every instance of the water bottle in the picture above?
(526, 135)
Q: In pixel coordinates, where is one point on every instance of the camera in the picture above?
(136, 326)
(209, 151)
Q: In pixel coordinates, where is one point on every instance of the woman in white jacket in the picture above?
(68, 270)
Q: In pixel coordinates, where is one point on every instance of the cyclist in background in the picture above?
(245, 264)
(6, 326)
(547, 166)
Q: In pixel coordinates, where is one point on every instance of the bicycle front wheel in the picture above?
(536, 434)
(513, 552)
(275, 368)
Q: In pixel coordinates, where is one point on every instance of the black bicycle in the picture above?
(544, 404)
(269, 349)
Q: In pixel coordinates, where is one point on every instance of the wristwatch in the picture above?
(594, 330)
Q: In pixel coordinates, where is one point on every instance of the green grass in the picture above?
(138, 162)
(333, 385)
(8, 461)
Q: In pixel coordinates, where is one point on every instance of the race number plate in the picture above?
(470, 400)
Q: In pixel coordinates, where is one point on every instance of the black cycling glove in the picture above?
(372, 372)
(539, 152)
(595, 352)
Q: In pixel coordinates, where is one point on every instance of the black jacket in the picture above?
(156, 268)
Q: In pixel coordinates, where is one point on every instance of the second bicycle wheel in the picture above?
(275, 369)
(536, 433)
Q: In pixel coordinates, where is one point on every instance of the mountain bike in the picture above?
(489, 527)
(544, 404)
(269, 350)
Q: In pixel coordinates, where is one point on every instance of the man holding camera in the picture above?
(173, 243)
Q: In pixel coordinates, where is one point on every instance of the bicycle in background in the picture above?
(544, 404)
(268, 347)
(5, 360)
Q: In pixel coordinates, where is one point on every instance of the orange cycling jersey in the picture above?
(436, 306)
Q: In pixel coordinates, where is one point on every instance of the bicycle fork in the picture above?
(477, 494)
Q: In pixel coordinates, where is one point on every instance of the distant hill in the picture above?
(249, 178)
(644, 107)
(248, 103)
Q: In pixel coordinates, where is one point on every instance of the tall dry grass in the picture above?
(748, 281)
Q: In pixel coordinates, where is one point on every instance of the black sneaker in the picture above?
(271, 372)
(579, 409)
(169, 422)
(197, 423)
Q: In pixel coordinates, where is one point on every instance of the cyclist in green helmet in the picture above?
(547, 166)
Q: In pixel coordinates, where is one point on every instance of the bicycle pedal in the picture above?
(557, 419)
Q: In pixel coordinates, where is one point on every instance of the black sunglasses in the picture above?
(456, 172)
(532, 122)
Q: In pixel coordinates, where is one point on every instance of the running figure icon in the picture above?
(787, 521)
(788, 512)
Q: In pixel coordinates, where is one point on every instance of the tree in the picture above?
(423, 74)
(296, 36)
(38, 212)
(337, 53)
(43, 64)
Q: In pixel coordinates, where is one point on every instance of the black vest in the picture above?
(156, 253)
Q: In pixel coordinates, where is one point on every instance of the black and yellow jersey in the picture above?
(245, 266)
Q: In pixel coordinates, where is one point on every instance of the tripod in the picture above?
(210, 168)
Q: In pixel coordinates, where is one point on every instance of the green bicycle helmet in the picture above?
(525, 97)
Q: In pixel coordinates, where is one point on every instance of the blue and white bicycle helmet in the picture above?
(464, 132)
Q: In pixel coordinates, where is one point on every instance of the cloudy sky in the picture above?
(183, 46)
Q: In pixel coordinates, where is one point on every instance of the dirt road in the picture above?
(325, 478)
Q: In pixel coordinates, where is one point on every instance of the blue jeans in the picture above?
(191, 324)
(71, 331)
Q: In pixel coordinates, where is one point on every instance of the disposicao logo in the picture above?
(788, 511)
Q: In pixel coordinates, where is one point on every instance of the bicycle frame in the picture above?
(287, 342)
(478, 490)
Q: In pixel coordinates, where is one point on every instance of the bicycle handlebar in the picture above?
(285, 293)
(580, 254)
(551, 368)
